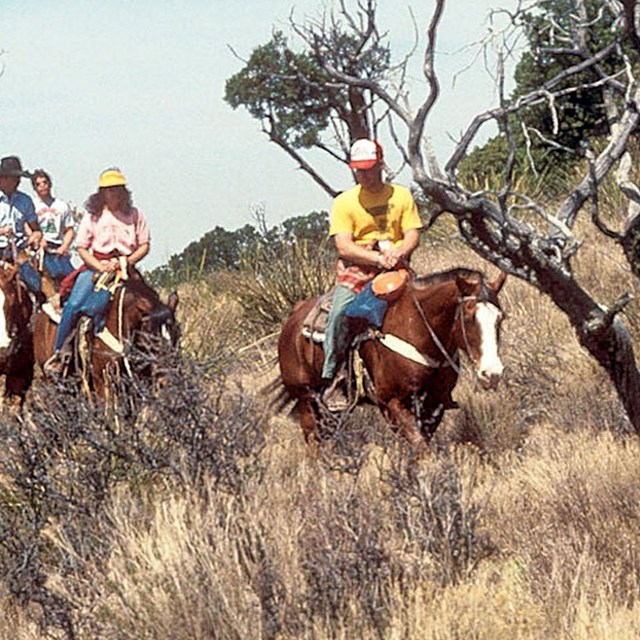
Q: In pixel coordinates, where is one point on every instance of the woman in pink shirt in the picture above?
(112, 227)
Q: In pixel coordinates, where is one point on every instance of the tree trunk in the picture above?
(612, 347)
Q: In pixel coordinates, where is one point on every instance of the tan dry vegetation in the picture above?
(209, 321)
(16, 623)
(521, 523)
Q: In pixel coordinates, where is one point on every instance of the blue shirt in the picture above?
(15, 211)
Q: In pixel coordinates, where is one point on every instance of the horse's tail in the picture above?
(277, 395)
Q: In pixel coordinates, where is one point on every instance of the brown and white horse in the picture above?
(413, 361)
(137, 319)
(16, 339)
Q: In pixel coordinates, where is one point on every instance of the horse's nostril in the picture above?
(489, 379)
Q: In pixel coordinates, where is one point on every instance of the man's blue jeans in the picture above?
(83, 300)
(337, 331)
(30, 277)
(57, 266)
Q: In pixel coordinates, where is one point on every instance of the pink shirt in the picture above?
(113, 232)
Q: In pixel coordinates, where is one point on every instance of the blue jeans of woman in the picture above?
(83, 300)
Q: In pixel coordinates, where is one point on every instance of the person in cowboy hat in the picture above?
(111, 228)
(19, 226)
(375, 226)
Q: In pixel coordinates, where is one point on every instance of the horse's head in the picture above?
(12, 299)
(478, 323)
(149, 316)
(161, 321)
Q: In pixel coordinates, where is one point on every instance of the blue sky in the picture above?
(139, 85)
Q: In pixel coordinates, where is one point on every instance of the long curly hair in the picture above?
(97, 201)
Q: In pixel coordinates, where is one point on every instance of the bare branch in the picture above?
(302, 163)
(524, 101)
(417, 127)
(611, 154)
(630, 190)
(631, 23)
(595, 205)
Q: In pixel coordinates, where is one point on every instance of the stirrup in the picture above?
(334, 397)
(56, 365)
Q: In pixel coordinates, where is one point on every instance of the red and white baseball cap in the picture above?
(365, 153)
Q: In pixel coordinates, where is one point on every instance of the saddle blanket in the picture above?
(366, 305)
(315, 324)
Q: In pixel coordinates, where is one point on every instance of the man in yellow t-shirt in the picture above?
(375, 226)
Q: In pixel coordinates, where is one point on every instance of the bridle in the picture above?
(409, 351)
(454, 365)
(460, 312)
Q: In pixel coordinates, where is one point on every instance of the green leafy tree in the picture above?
(269, 87)
(218, 249)
(223, 250)
(313, 228)
(562, 34)
(298, 106)
(551, 132)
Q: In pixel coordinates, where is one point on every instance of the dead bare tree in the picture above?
(489, 221)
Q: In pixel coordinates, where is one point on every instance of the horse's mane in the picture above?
(141, 296)
(447, 276)
(138, 287)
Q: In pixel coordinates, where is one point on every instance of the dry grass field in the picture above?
(199, 515)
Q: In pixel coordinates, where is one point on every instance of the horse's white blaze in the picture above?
(5, 338)
(490, 367)
(164, 332)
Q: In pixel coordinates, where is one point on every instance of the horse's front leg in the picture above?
(403, 420)
(20, 372)
(16, 387)
(308, 417)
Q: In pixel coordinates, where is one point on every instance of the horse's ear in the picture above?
(467, 285)
(172, 303)
(496, 285)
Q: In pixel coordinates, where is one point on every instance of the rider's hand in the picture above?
(34, 239)
(393, 257)
(388, 259)
(6, 231)
(114, 265)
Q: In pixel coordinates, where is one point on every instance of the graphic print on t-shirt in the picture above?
(379, 213)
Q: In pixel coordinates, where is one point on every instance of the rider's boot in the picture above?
(53, 308)
(334, 397)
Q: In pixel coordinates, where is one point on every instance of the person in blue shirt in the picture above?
(19, 228)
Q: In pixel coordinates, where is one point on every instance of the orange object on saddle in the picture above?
(390, 284)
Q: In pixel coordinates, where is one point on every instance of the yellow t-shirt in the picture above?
(370, 217)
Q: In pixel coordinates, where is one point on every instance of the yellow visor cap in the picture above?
(112, 178)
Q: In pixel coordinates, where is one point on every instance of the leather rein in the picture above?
(409, 351)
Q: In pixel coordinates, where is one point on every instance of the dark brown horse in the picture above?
(413, 361)
(137, 320)
(16, 341)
